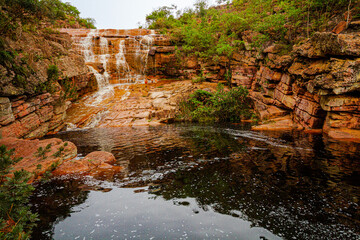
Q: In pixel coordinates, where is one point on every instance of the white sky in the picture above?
(123, 14)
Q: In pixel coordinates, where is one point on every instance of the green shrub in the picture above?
(53, 73)
(208, 32)
(32, 12)
(221, 106)
(16, 219)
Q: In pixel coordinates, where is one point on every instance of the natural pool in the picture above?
(206, 182)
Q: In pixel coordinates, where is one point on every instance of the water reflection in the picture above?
(191, 182)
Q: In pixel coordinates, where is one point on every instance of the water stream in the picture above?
(206, 182)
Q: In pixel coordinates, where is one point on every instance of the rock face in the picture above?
(317, 84)
(32, 103)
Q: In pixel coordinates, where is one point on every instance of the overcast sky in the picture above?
(123, 14)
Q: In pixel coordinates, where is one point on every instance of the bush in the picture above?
(221, 106)
(16, 219)
(53, 73)
(34, 11)
(208, 32)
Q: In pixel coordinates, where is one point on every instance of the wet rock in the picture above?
(31, 110)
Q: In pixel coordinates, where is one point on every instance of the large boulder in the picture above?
(94, 164)
(40, 156)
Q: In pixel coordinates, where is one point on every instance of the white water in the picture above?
(107, 60)
(105, 89)
(104, 45)
(121, 63)
(87, 46)
(125, 74)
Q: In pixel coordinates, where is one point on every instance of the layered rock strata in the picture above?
(316, 85)
(32, 103)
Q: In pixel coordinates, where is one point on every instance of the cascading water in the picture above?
(87, 46)
(104, 45)
(120, 59)
(121, 64)
(117, 58)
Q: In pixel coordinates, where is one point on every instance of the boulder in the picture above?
(39, 156)
(94, 164)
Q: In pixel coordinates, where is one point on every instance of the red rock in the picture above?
(28, 150)
(30, 122)
(340, 27)
(308, 120)
(324, 44)
(344, 134)
(191, 63)
(93, 164)
(343, 120)
(45, 113)
(276, 48)
(39, 132)
(278, 124)
(279, 62)
(313, 108)
(313, 131)
(243, 75)
(267, 73)
(288, 100)
(16, 129)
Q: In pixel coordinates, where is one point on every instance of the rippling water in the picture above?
(206, 182)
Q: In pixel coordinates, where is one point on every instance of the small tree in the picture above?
(16, 219)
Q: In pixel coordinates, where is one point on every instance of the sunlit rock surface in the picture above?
(40, 156)
(97, 163)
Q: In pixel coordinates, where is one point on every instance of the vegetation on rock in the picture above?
(211, 32)
(16, 219)
(221, 106)
(33, 12)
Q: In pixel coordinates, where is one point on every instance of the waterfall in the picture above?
(104, 45)
(87, 46)
(146, 42)
(121, 60)
(115, 58)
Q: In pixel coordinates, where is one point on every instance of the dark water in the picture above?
(206, 182)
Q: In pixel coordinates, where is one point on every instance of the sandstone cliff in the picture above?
(32, 102)
(316, 85)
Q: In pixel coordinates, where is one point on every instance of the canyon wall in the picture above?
(37, 83)
(315, 85)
